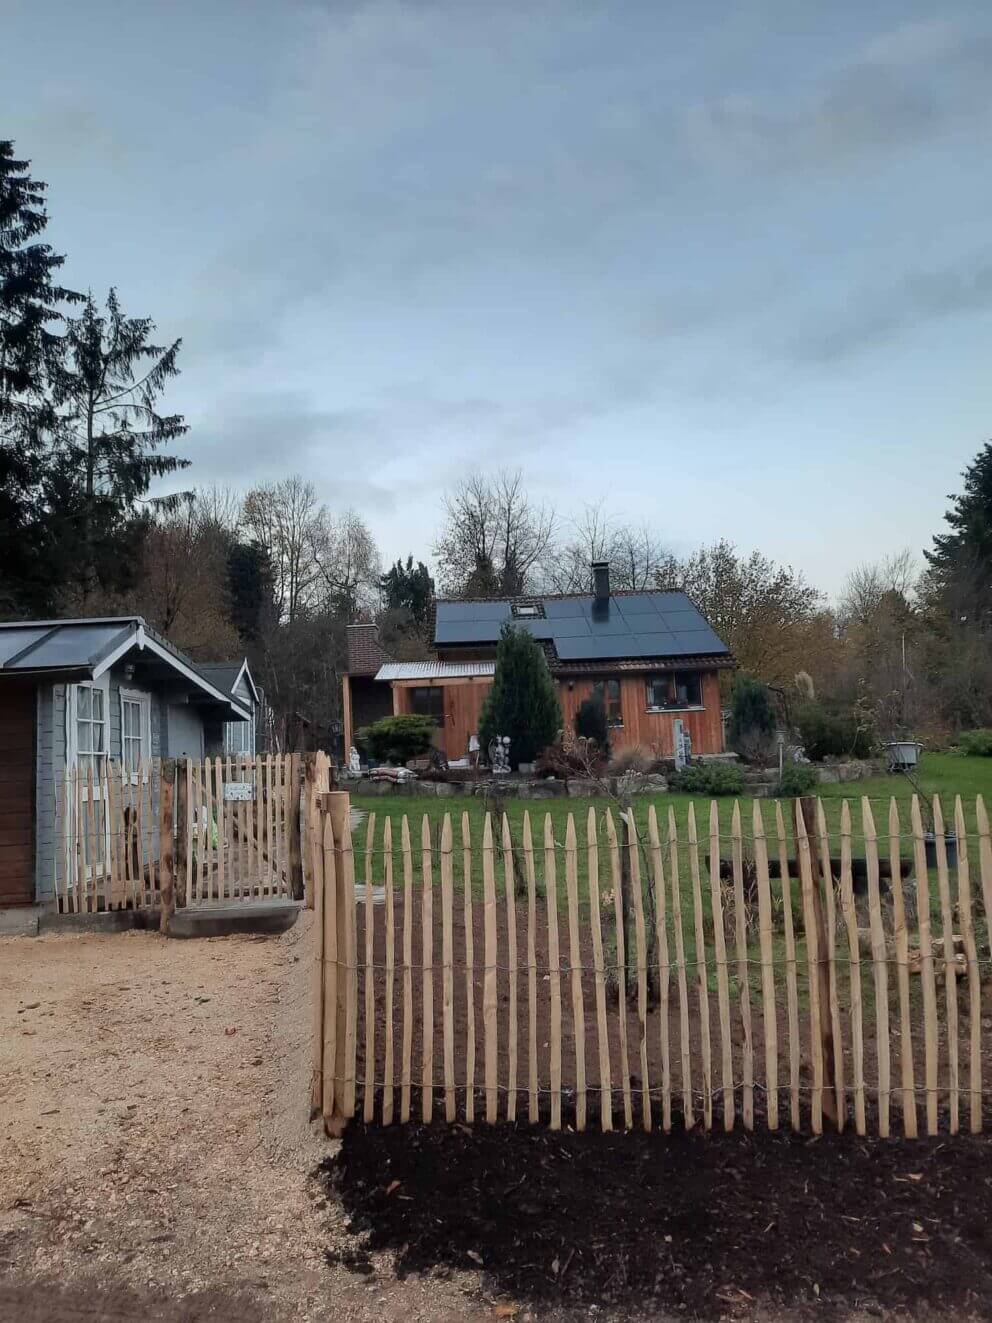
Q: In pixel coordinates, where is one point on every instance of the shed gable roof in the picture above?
(85, 649)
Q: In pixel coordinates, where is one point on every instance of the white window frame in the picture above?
(249, 726)
(72, 717)
(144, 702)
(72, 752)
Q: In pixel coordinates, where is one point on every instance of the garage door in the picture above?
(17, 726)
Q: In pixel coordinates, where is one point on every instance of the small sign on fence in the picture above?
(239, 790)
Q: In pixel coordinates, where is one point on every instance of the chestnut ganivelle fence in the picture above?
(771, 967)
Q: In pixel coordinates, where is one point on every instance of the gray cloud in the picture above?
(261, 437)
(903, 87)
(883, 312)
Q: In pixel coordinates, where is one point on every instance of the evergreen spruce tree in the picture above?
(961, 560)
(31, 344)
(522, 702)
(249, 583)
(108, 441)
(408, 588)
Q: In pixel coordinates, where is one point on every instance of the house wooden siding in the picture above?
(652, 729)
(463, 701)
(17, 793)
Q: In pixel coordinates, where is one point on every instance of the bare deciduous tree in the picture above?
(494, 539)
(869, 587)
(285, 518)
(348, 562)
(633, 552)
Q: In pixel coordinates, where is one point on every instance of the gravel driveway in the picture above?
(155, 1156)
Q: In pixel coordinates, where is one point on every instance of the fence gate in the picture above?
(186, 832)
(238, 827)
(626, 970)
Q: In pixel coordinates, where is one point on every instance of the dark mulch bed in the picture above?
(705, 1226)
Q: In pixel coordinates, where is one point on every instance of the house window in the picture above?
(677, 689)
(428, 702)
(136, 728)
(91, 727)
(239, 737)
(608, 692)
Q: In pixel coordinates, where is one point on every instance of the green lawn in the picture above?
(942, 774)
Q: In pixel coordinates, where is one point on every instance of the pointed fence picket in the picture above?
(798, 977)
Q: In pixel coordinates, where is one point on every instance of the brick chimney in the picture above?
(365, 656)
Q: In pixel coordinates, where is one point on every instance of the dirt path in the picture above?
(153, 1139)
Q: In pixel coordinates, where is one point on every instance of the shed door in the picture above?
(18, 707)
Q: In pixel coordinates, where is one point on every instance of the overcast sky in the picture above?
(726, 265)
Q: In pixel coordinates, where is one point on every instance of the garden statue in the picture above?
(354, 762)
(499, 755)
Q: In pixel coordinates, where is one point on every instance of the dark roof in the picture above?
(635, 625)
(223, 674)
(85, 649)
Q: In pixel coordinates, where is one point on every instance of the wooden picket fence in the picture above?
(676, 977)
(196, 831)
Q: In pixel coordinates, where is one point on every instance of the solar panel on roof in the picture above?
(637, 604)
(567, 607)
(570, 627)
(540, 629)
(491, 610)
(636, 625)
(676, 620)
(456, 610)
(466, 631)
(656, 644)
(611, 624)
(695, 641)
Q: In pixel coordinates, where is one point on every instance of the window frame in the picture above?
(432, 689)
(248, 729)
(143, 701)
(671, 681)
(88, 787)
(73, 750)
(599, 691)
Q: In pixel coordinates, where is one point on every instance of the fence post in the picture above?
(166, 857)
(808, 809)
(337, 805)
(183, 835)
(309, 813)
(295, 847)
(318, 896)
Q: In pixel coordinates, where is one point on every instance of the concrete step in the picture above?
(20, 921)
(222, 918)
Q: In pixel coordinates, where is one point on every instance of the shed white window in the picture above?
(88, 727)
(136, 728)
(239, 737)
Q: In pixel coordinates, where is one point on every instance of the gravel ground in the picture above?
(155, 1156)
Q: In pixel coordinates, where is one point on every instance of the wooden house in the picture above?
(650, 655)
